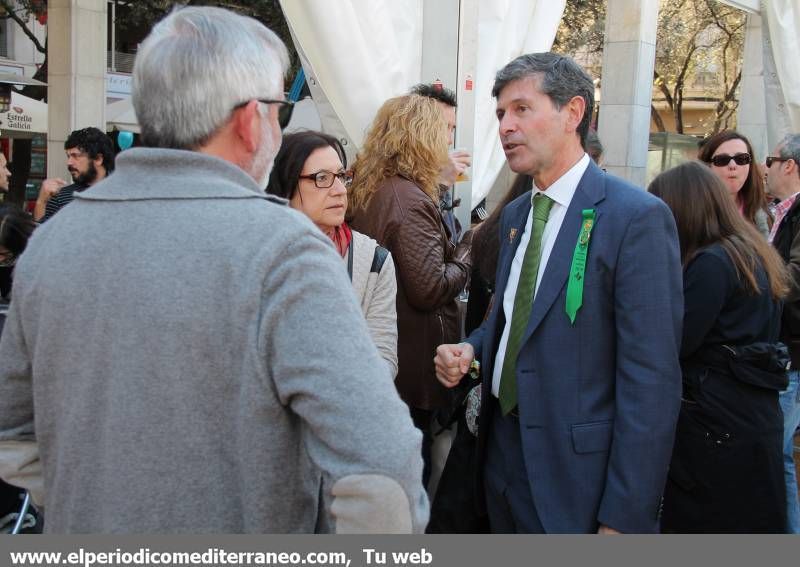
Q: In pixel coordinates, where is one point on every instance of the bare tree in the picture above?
(696, 39)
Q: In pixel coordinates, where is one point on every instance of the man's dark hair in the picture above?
(559, 77)
(436, 92)
(94, 142)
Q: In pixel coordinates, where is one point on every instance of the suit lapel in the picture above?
(510, 236)
(509, 242)
(590, 191)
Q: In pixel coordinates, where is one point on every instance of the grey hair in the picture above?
(790, 148)
(560, 78)
(195, 66)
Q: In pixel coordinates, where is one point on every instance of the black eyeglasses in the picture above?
(772, 159)
(324, 179)
(721, 160)
(284, 112)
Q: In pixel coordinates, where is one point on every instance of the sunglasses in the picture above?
(721, 160)
(284, 112)
(772, 159)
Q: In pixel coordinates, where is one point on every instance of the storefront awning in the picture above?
(24, 118)
(121, 116)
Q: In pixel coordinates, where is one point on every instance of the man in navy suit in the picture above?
(581, 377)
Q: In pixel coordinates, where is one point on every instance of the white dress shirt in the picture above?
(561, 193)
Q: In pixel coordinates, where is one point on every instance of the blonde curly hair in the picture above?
(408, 137)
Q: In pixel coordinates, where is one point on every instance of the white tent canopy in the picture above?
(379, 55)
(782, 20)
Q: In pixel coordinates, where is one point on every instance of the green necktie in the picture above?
(523, 300)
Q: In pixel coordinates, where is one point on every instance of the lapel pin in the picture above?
(511, 235)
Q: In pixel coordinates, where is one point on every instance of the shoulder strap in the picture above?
(350, 260)
(378, 258)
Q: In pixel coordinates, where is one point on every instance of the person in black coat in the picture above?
(726, 473)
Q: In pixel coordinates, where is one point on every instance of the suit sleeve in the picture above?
(429, 279)
(648, 308)
(476, 338)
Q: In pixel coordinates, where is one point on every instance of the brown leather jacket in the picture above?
(431, 272)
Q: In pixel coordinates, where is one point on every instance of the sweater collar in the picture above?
(158, 173)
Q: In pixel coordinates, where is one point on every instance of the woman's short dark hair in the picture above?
(16, 227)
(752, 195)
(295, 149)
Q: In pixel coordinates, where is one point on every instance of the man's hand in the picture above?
(50, 187)
(452, 362)
(459, 162)
(605, 530)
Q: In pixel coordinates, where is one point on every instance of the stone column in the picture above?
(627, 83)
(751, 116)
(76, 66)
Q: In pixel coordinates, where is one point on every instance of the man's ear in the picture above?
(246, 123)
(791, 167)
(575, 108)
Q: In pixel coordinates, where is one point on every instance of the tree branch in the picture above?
(662, 86)
(22, 24)
(657, 119)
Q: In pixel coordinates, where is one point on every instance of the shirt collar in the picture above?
(562, 190)
(789, 200)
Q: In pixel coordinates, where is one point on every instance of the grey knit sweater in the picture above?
(189, 357)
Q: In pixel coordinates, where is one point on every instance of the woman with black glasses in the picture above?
(310, 172)
(730, 156)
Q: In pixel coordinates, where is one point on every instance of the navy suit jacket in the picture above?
(598, 399)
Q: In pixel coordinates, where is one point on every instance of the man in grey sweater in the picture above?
(185, 353)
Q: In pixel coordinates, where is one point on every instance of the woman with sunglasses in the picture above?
(309, 171)
(730, 156)
(726, 473)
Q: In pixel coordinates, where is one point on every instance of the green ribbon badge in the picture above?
(578, 269)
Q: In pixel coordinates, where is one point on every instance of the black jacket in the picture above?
(787, 242)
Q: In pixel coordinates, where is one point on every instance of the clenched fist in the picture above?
(452, 362)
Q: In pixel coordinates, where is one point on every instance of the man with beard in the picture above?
(90, 158)
(190, 349)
